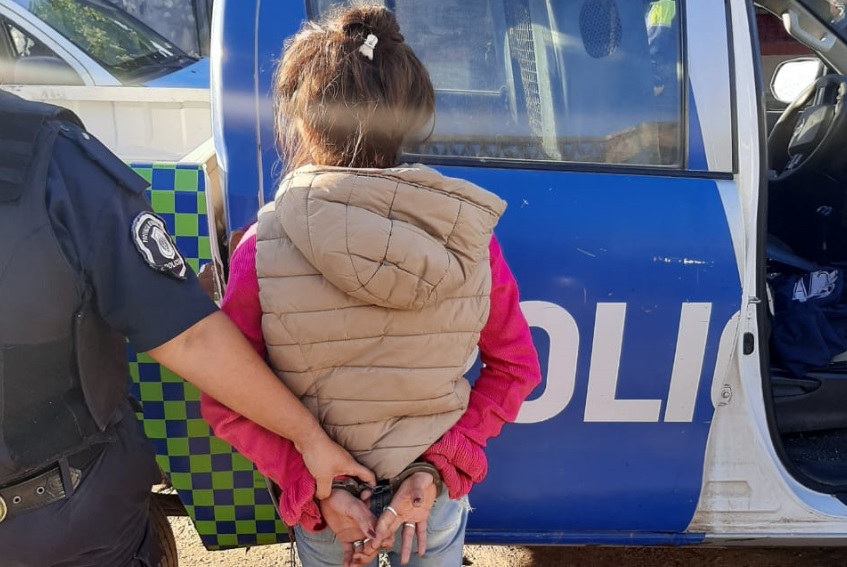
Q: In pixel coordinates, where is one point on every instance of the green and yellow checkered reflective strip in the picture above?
(223, 493)
(662, 13)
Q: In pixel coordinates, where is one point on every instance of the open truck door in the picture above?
(586, 118)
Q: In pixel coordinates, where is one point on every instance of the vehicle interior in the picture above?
(807, 238)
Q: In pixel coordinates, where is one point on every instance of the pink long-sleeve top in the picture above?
(510, 372)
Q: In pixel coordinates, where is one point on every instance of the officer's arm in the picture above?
(146, 290)
(214, 356)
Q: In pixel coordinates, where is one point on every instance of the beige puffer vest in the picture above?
(374, 287)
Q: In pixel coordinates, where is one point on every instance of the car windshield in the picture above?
(123, 45)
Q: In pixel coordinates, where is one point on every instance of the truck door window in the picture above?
(32, 62)
(588, 81)
(7, 60)
(24, 45)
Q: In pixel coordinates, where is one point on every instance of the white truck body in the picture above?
(137, 123)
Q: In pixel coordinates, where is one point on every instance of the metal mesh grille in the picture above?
(523, 51)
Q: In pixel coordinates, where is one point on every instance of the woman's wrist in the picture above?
(422, 466)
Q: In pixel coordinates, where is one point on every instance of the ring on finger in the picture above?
(409, 525)
(358, 543)
(392, 510)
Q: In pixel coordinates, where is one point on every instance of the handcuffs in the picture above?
(383, 491)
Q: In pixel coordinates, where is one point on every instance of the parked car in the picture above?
(187, 23)
(89, 42)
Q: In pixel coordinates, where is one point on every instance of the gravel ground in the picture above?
(193, 554)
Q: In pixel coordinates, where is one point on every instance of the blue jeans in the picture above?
(445, 540)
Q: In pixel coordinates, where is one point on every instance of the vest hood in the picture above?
(394, 237)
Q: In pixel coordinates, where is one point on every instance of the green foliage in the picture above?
(103, 37)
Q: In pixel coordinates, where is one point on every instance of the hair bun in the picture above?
(360, 21)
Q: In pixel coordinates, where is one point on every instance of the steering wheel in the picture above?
(802, 141)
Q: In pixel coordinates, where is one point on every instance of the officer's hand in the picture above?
(353, 524)
(413, 501)
(326, 460)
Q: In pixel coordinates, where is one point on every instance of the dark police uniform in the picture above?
(84, 264)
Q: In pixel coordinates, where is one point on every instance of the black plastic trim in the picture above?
(810, 404)
(685, 102)
(733, 87)
(599, 168)
(749, 343)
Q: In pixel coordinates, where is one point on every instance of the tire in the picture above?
(164, 534)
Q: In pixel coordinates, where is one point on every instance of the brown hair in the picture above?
(334, 106)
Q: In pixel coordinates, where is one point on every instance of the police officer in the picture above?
(663, 40)
(85, 264)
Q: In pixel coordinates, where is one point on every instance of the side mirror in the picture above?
(793, 76)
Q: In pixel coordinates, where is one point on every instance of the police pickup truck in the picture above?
(677, 223)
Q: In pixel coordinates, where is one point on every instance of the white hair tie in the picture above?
(367, 48)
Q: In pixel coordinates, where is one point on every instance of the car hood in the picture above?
(195, 75)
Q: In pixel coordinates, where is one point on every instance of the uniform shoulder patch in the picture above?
(153, 242)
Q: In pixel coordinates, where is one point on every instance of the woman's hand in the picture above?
(410, 509)
(353, 524)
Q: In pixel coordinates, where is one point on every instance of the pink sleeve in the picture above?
(241, 298)
(509, 374)
(274, 456)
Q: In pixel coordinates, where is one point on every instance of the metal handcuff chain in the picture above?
(383, 492)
